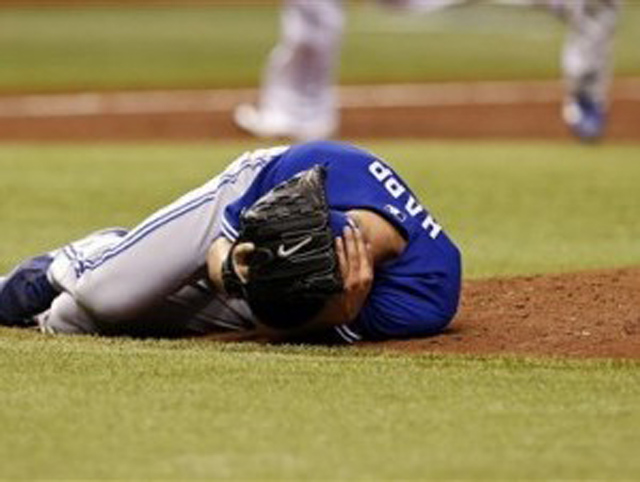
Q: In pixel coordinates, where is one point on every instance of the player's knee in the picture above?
(66, 316)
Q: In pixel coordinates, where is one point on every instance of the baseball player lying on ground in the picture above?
(316, 242)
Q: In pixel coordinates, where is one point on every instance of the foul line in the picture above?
(350, 97)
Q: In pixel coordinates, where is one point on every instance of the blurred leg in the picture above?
(587, 64)
(587, 53)
(586, 59)
(119, 276)
(297, 95)
(424, 6)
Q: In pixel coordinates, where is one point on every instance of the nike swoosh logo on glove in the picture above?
(285, 252)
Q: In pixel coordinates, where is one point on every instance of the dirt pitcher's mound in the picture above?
(588, 314)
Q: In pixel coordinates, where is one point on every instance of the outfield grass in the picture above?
(98, 408)
(45, 49)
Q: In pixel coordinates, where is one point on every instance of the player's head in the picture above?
(287, 245)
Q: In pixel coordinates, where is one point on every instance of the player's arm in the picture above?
(356, 257)
(373, 241)
(218, 252)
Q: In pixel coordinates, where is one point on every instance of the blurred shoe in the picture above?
(585, 117)
(257, 123)
(26, 292)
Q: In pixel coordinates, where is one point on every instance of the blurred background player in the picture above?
(297, 98)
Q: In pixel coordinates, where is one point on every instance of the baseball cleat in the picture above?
(26, 292)
(585, 117)
(272, 125)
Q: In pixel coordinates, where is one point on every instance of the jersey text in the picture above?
(396, 189)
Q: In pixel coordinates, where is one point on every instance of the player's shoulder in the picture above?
(328, 153)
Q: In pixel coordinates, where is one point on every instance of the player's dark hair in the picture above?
(286, 315)
(287, 292)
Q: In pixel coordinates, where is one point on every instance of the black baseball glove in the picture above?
(294, 268)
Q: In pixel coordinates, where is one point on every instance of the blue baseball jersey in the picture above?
(415, 294)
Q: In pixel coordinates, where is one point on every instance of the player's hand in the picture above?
(241, 256)
(356, 265)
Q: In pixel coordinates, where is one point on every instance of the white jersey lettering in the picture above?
(413, 207)
(379, 171)
(430, 225)
(396, 189)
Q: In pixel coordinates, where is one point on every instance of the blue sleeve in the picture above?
(405, 309)
(413, 296)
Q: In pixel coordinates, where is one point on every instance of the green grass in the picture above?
(45, 49)
(87, 408)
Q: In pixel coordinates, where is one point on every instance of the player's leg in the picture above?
(67, 317)
(32, 294)
(297, 94)
(29, 289)
(587, 63)
(586, 59)
(117, 282)
(192, 311)
(113, 276)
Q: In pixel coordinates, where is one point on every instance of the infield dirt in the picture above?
(448, 110)
(587, 314)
